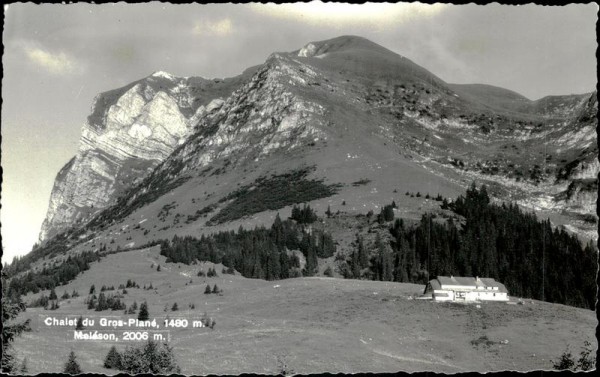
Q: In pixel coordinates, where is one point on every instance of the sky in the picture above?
(57, 58)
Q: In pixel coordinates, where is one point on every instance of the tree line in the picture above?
(258, 253)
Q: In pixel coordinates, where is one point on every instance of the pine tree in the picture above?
(92, 289)
(71, 366)
(91, 303)
(174, 308)
(143, 315)
(53, 295)
(102, 303)
(158, 268)
(79, 325)
(207, 290)
(363, 258)
(113, 359)
(215, 289)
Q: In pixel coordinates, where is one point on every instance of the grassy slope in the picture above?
(312, 325)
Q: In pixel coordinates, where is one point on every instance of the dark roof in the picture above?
(466, 281)
(435, 284)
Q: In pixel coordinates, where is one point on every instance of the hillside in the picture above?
(326, 324)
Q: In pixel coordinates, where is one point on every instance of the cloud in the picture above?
(55, 63)
(341, 14)
(214, 28)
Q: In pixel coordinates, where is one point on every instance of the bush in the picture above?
(567, 361)
(328, 271)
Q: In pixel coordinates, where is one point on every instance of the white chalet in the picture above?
(455, 288)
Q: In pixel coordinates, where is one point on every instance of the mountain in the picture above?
(347, 107)
(342, 123)
(129, 131)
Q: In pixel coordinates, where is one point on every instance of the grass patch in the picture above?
(272, 193)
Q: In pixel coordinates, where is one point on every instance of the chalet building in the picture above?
(455, 288)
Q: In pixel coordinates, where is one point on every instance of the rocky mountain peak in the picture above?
(346, 43)
(164, 75)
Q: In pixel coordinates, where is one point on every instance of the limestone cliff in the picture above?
(129, 132)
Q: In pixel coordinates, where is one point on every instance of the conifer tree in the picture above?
(102, 303)
(143, 315)
(174, 308)
(71, 366)
(92, 289)
(91, 303)
(79, 325)
(215, 289)
(113, 359)
(53, 294)
(207, 290)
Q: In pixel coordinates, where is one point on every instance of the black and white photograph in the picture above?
(298, 188)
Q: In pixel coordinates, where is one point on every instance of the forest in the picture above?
(259, 253)
(533, 259)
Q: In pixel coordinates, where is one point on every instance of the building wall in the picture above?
(443, 295)
(474, 295)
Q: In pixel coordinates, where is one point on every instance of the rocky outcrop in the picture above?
(130, 131)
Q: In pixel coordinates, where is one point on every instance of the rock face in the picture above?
(130, 131)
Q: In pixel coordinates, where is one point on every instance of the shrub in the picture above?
(567, 361)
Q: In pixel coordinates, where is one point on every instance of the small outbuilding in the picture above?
(456, 288)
